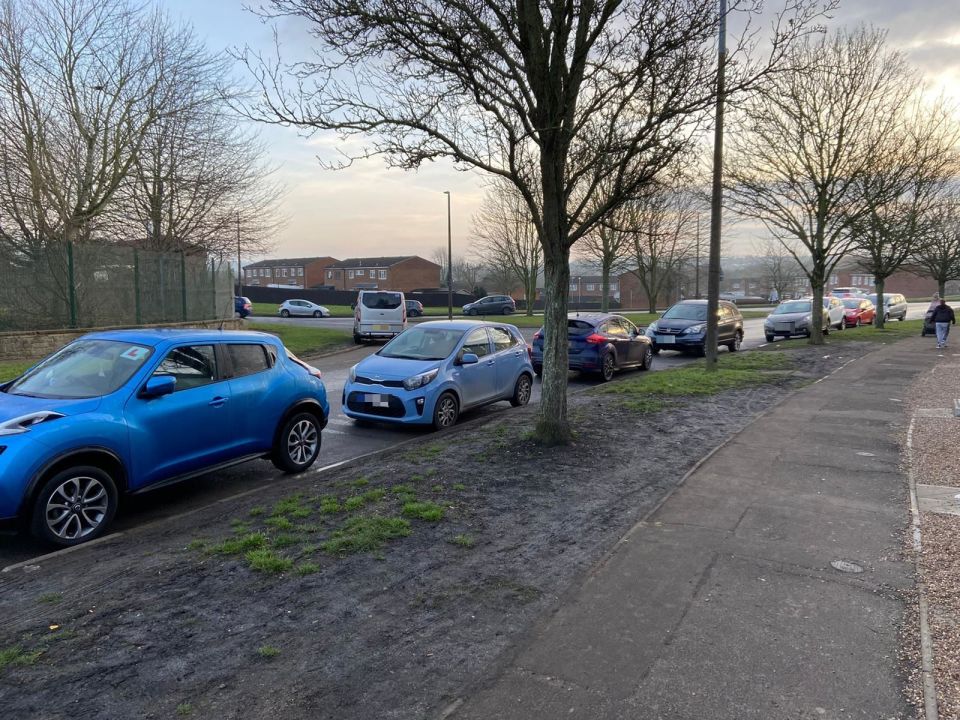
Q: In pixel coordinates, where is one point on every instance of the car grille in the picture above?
(356, 403)
(783, 326)
(386, 383)
(668, 331)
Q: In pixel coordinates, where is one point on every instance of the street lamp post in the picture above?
(449, 261)
(714, 273)
(579, 293)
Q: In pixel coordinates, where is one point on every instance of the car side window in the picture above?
(247, 359)
(629, 326)
(614, 328)
(502, 340)
(192, 366)
(477, 343)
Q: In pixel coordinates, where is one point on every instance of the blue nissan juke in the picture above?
(431, 372)
(127, 411)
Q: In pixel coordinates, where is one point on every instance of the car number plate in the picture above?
(666, 339)
(383, 328)
(377, 400)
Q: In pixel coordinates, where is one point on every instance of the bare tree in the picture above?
(939, 256)
(779, 268)
(609, 250)
(500, 278)
(440, 257)
(660, 225)
(507, 237)
(467, 275)
(903, 190)
(810, 138)
(557, 98)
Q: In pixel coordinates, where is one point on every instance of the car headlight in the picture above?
(417, 381)
(353, 374)
(651, 329)
(768, 323)
(693, 329)
(804, 320)
(22, 424)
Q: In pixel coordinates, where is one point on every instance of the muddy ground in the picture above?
(173, 619)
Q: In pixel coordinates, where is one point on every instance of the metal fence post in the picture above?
(136, 286)
(71, 286)
(183, 284)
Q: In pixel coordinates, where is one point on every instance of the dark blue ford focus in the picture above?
(128, 411)
(600, 343)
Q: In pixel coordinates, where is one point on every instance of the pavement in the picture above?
(769, 585)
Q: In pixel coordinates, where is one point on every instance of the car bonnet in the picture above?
(383, 368)
(14, 406)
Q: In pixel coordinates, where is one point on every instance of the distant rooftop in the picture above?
(295, 262)
(372, 262)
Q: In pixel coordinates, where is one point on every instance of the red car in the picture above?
(858, 311)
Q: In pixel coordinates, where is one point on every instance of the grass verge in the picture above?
(307, 340)
(11, 370)
(892, 332)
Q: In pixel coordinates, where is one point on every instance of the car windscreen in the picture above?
(852, 303)
(792, 307)
(83, 369)
(422, 343)
(686, 312)
(381, 300)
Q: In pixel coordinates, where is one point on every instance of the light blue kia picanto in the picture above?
(130, 410)
(433, 371)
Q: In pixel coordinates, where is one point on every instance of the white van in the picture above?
(379, 314)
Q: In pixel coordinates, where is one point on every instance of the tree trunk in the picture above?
(878, 283)
(530, 293)
(942, 287)
(605, 287)
(816, 312)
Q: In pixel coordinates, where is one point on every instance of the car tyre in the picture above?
(647, 360)
(298, 443)
(654, 349)
(734, 345)
(507, 311)
(285, 313)
(522, 391)
(886, 317)
(769, 338)
(608, 366)
(357, 340)
(446, 411)
(317, 314)
(86, 498)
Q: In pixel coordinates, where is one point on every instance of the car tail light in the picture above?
(596, 339)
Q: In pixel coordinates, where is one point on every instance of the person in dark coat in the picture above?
(943, 318)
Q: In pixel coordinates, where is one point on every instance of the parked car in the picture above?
(379, 314)
(414, 308)
(130, 410)
(434, 371)
(835, 312)
(841, 292)
(894, 306)
(600, 343)
(683, 327)
(303, 308)
(793, 317)
(491, 305)
(242, 306)
(858, 311)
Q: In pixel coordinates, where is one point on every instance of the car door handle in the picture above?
(489, 362)
(218, 402)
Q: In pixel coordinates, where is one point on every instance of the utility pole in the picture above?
(449, 261)
(713, 276)
(239, 271)
(697, 270)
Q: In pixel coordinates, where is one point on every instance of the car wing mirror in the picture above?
(158, 386)
(469, 359)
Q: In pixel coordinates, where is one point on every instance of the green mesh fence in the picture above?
(89, 285)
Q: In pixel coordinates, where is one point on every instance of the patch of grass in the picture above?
(184, 709)
(365, 534)
(437, 488)
(305, 340)
(375, 495)
(239, 526)
(198, 544)
(285, 540)
(330, 505)
(464, 541)
(268, 651)
(893, 331)
(257, 511)
(292, 506)
(354, 502)
(235, 546)
(279, 523)
(17, 656)
(424, 510)
(685, 381)
(265, 560)
(401, 489)
(459, 486)
(11, 370)
(416, 478)
(307, 568)
(51, 598)
(360, 482)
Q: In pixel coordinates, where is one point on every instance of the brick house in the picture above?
(405, 273)
(287, 272)
(903, 281)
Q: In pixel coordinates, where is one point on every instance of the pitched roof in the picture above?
(281, 262)
(374, 262)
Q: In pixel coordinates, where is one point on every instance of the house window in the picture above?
(350, 274)
(329, 274)
(373, 273)
(383, 274)
(573, 287)
(614, 287)
(591, 287)
(300, 272)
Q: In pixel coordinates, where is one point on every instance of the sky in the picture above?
(369, 209)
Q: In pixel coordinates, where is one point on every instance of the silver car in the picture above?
(303, 308)
(894, 306)
(794, 317)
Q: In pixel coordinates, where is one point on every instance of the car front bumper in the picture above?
(689, 341)
(387, 404)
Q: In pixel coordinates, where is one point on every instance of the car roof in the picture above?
(459, 324)
(159, 336)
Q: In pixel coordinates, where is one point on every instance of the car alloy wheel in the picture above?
(74, 506)
(647, 359)
(473, 311)
(317, 314)
(298, 444)
(445, 412)
(507, 311)
(607, 367)
(769, 338)
(521, 391)
(285, 313)
(735, 345)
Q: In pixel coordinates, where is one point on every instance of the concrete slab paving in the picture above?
(769, 586)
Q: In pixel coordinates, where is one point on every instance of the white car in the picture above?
(833, 308)
(304, 308)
